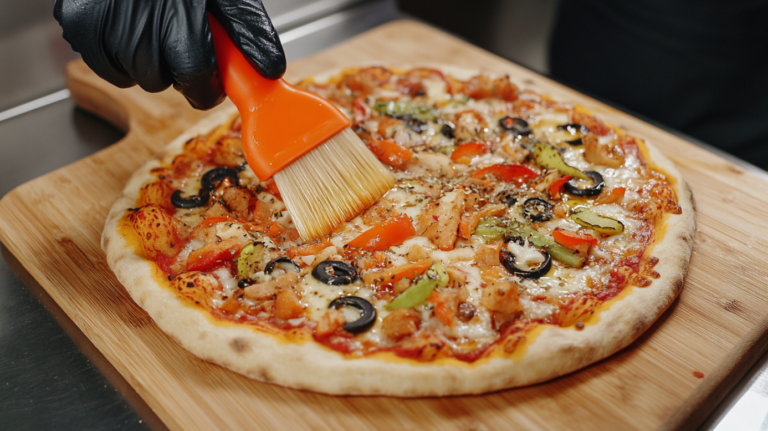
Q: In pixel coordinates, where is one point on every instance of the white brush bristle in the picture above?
(331, 184)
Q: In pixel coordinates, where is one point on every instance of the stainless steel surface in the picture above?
(32, 50)
(746, 407)
(51, 376)
(290, 13)
(32, 105)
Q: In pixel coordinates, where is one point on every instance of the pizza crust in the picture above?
(553, 352)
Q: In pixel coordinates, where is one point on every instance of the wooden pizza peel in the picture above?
(717, 326)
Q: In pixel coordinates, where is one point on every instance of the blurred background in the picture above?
(699, 69)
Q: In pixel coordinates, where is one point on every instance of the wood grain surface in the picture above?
(716, 327)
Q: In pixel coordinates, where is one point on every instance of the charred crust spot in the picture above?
(239, 345)
(678, 285)
(690, 196)
(638, 327)
(263, 375)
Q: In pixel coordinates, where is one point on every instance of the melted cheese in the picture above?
(231, 230)
(436, 89)
(464, 254)
(526, 257)
(188, 249)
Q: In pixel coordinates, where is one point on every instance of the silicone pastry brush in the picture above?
(324, 172)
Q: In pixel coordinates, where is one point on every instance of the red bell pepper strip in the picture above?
(612, 197)
(385, 234)
(507, 173)
(272, 188)
(271, 229)
(308, 249)
(210, 221)
(390, 276)
(361, 110)
(211, 255)
(557, 186)
(464, 153)
(573, 240)
(388, 152)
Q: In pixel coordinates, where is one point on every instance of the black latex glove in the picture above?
(158, 43)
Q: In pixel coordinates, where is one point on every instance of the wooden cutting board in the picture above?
(717, 326)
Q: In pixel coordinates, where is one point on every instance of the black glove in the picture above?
(156, 43)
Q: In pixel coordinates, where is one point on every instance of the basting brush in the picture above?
(324, 172)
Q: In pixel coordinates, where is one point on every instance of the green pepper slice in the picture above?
(597, 222)
(490, 233)
(252, 259)
(490, 221)
(397, 108)
(447, 150)
(547, 156)
(418, 292)
(490, 230)
(556, 250)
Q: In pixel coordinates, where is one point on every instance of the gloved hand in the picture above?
(156, 43)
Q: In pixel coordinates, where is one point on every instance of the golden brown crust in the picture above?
(547, 353)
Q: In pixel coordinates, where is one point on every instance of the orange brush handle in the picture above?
(280, 122)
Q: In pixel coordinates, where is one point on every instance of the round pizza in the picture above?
(524, 239)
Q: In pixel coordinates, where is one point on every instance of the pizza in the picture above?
(524, 239)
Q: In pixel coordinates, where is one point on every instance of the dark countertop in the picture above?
(51, 376)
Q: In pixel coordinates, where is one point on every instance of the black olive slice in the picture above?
(215, 176)
(334, 272)
(191, 202)
(507, 259)
(447, 130)
(577, 130)
(507, 198)
(282, 262)
(243, 283)
(571, 187)
(518, 126)
(367, 312)
(414, 124)
(537, 209)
